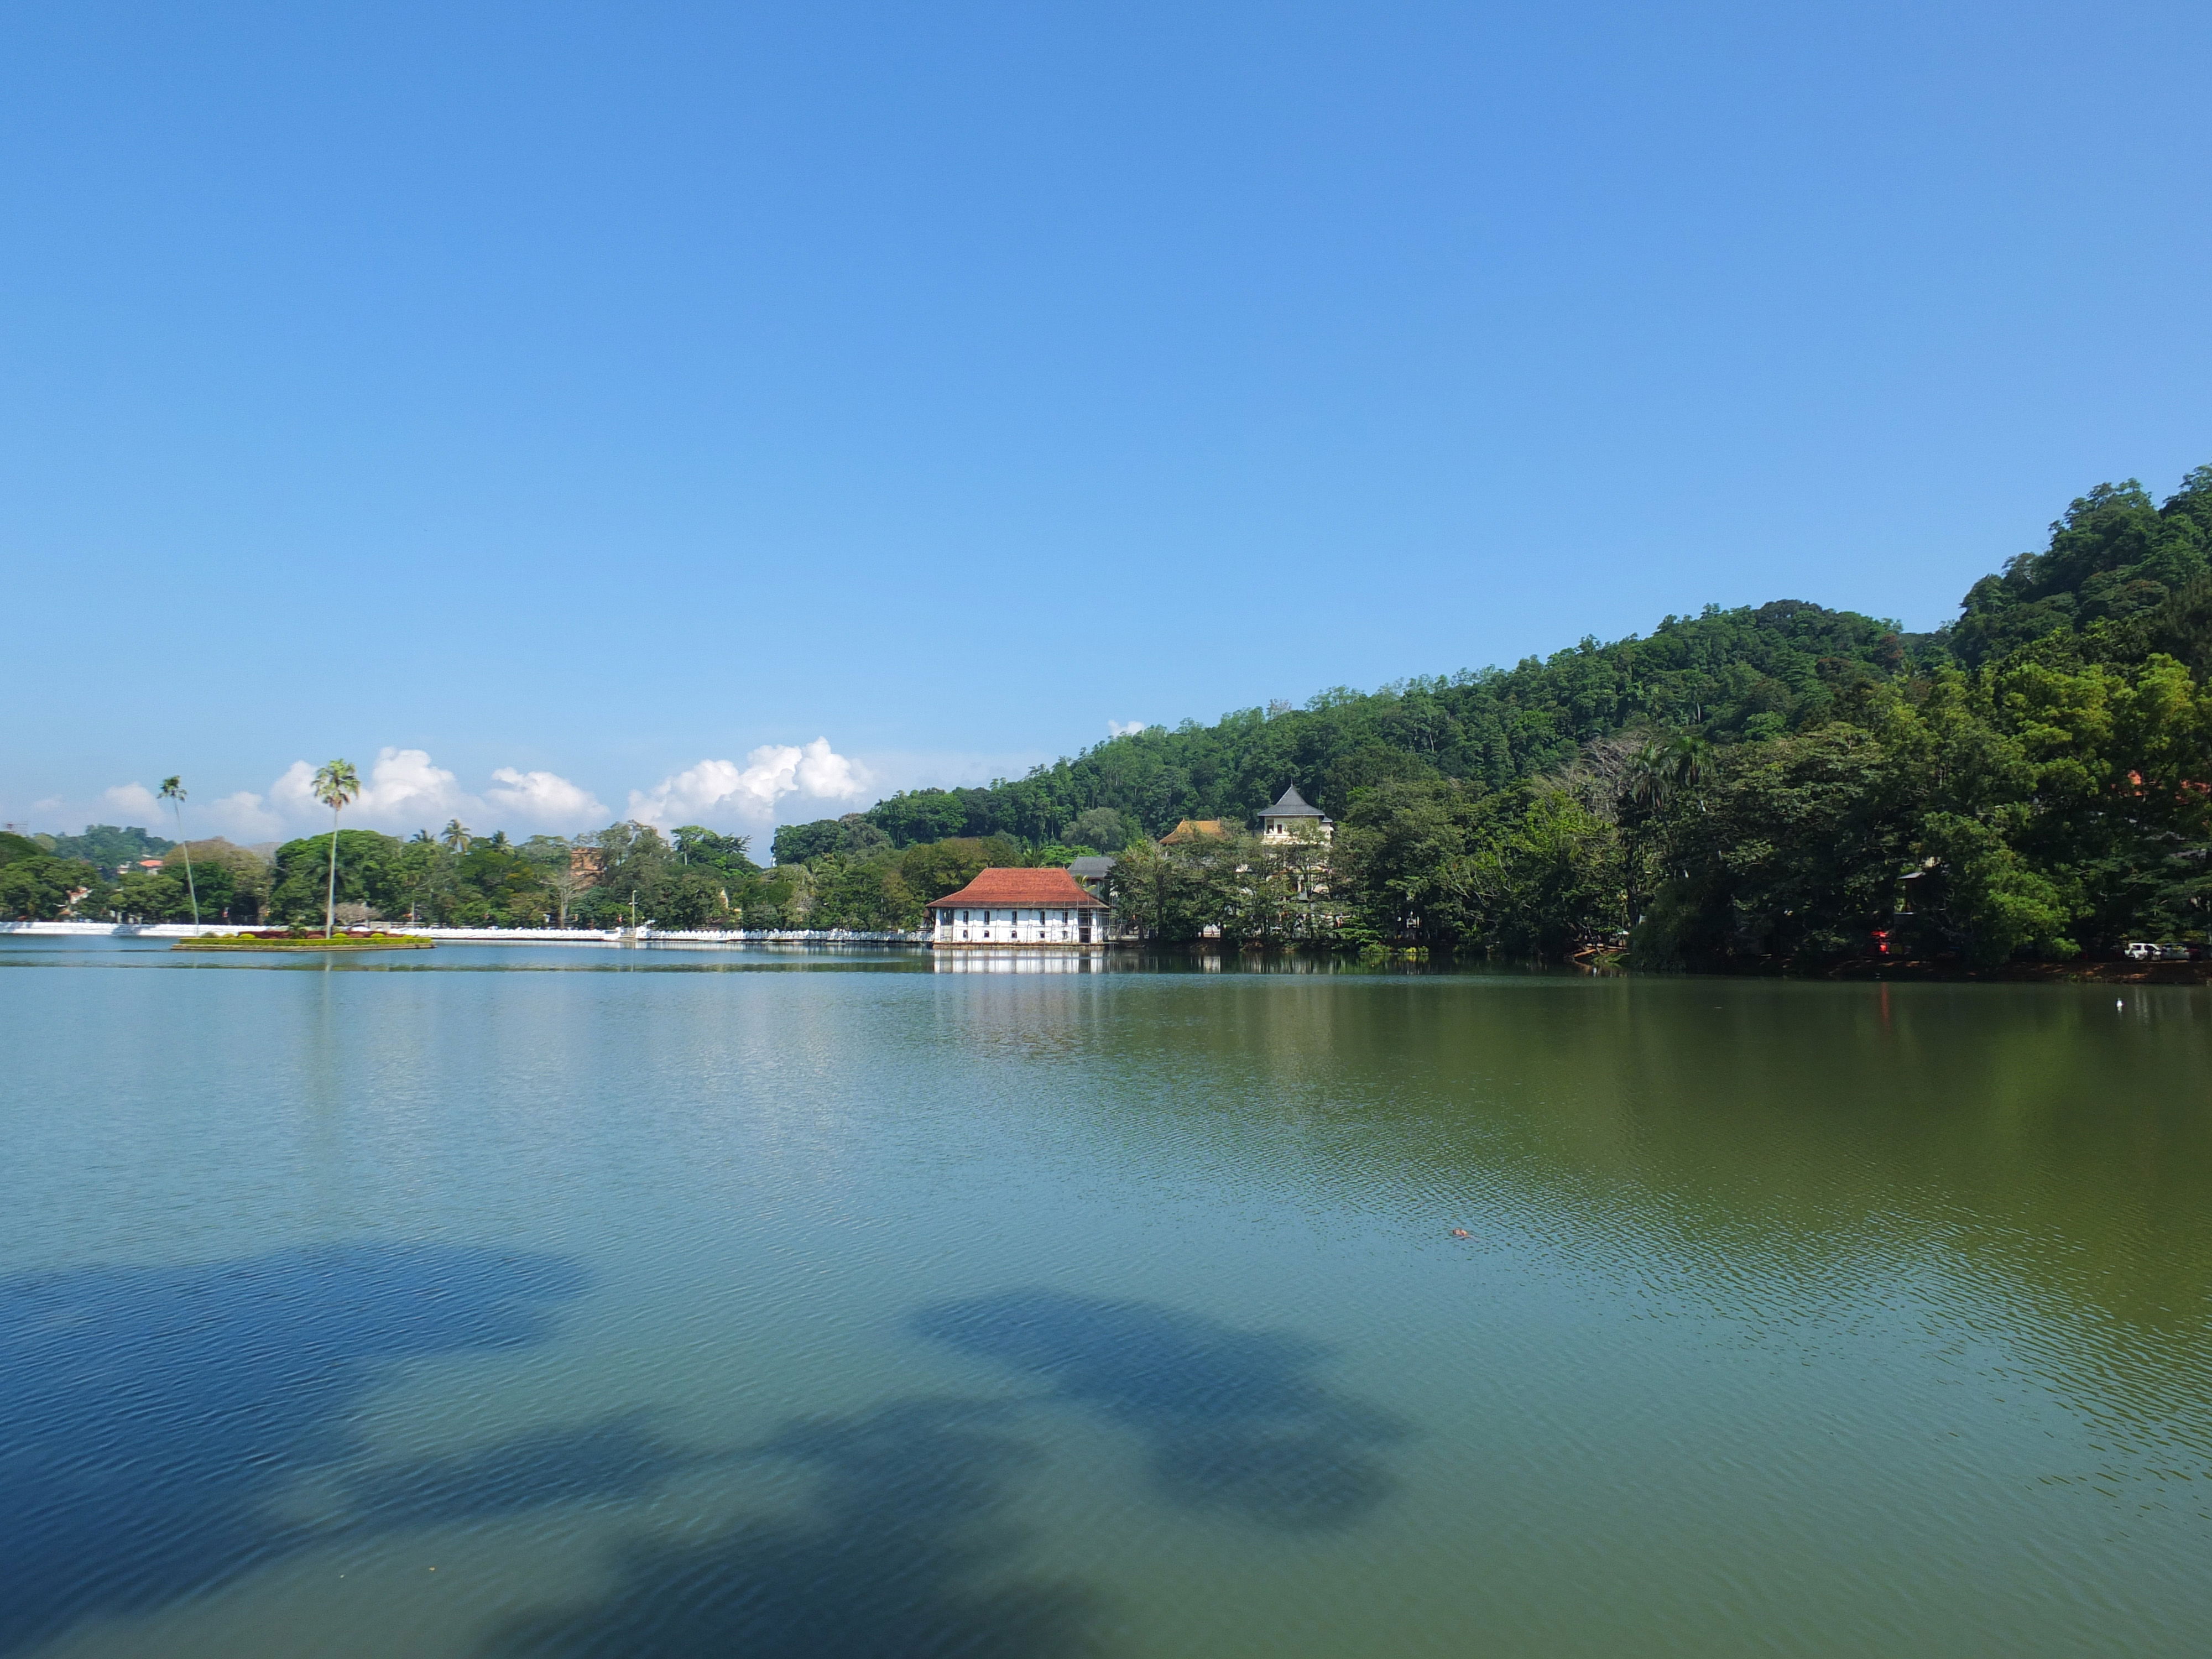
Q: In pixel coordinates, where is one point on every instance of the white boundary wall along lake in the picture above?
(482, 935)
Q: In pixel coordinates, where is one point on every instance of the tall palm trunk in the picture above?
(330, 893)
(191, 886)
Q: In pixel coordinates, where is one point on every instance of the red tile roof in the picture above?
(1022, 890)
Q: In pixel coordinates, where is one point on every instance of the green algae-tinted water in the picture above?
(508, 1302)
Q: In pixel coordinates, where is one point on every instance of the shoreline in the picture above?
(1398, 958)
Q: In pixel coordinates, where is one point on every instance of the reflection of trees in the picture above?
(2008, 1147)
(1236, 1422)
(906, 1545)
(902, 1551)
(148, 1415)
(151, 1419)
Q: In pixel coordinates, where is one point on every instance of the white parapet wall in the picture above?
(644, 936)
(119, 929)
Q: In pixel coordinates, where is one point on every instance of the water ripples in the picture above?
(840, 1312)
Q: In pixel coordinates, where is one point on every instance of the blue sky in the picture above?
(739, 411)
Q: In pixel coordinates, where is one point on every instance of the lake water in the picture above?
(503, 1301)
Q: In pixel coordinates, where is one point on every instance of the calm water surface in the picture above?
(499, 1302)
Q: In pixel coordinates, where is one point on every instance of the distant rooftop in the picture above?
(1091, 868)
(1293, 805)
(1195, 830)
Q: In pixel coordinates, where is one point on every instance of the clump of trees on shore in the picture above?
(1786, 782)
(694, 878)
(690, 878)
(98, 874)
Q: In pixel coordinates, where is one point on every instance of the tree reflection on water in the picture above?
(1235, 1420)
(150, 1419)
(149, 1416)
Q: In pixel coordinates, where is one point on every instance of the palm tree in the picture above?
(173, 791)
(337, 786)
(457, 835)
(1663, 768)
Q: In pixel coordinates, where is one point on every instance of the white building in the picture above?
(1021, 907)
(1292, 819)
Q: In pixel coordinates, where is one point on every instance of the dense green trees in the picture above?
(104, 846)
(1783, 783)
(35, 886)
(458, 878)
(884, 887)
(694, 877)
(2113, 558)
(303, 886)
(1787, 783)
(1728, 673)
(39, 885)
(2044, 802)
(852, 836)
(1536, 869)
(1238, 887)
(233, 881)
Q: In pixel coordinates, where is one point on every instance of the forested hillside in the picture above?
(1785, 782)
(105, 846)
(2122, 575)
(1788, 784)
(1734, 675)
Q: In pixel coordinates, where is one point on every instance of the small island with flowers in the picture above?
(299, 939)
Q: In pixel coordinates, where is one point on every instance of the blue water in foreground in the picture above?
(519, 1300)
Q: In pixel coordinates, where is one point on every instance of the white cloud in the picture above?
(244, 817)
(294, 793)
(1126, 728)
(545, 797)
(404, 790)
(133, 800)
(826, 775)
(401, 788)
(722, 789)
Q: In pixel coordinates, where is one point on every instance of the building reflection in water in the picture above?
(974, 961)
(1031, 959)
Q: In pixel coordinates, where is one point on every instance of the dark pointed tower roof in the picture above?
(1293, 805)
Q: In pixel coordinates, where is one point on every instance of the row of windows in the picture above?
(1014, 916)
